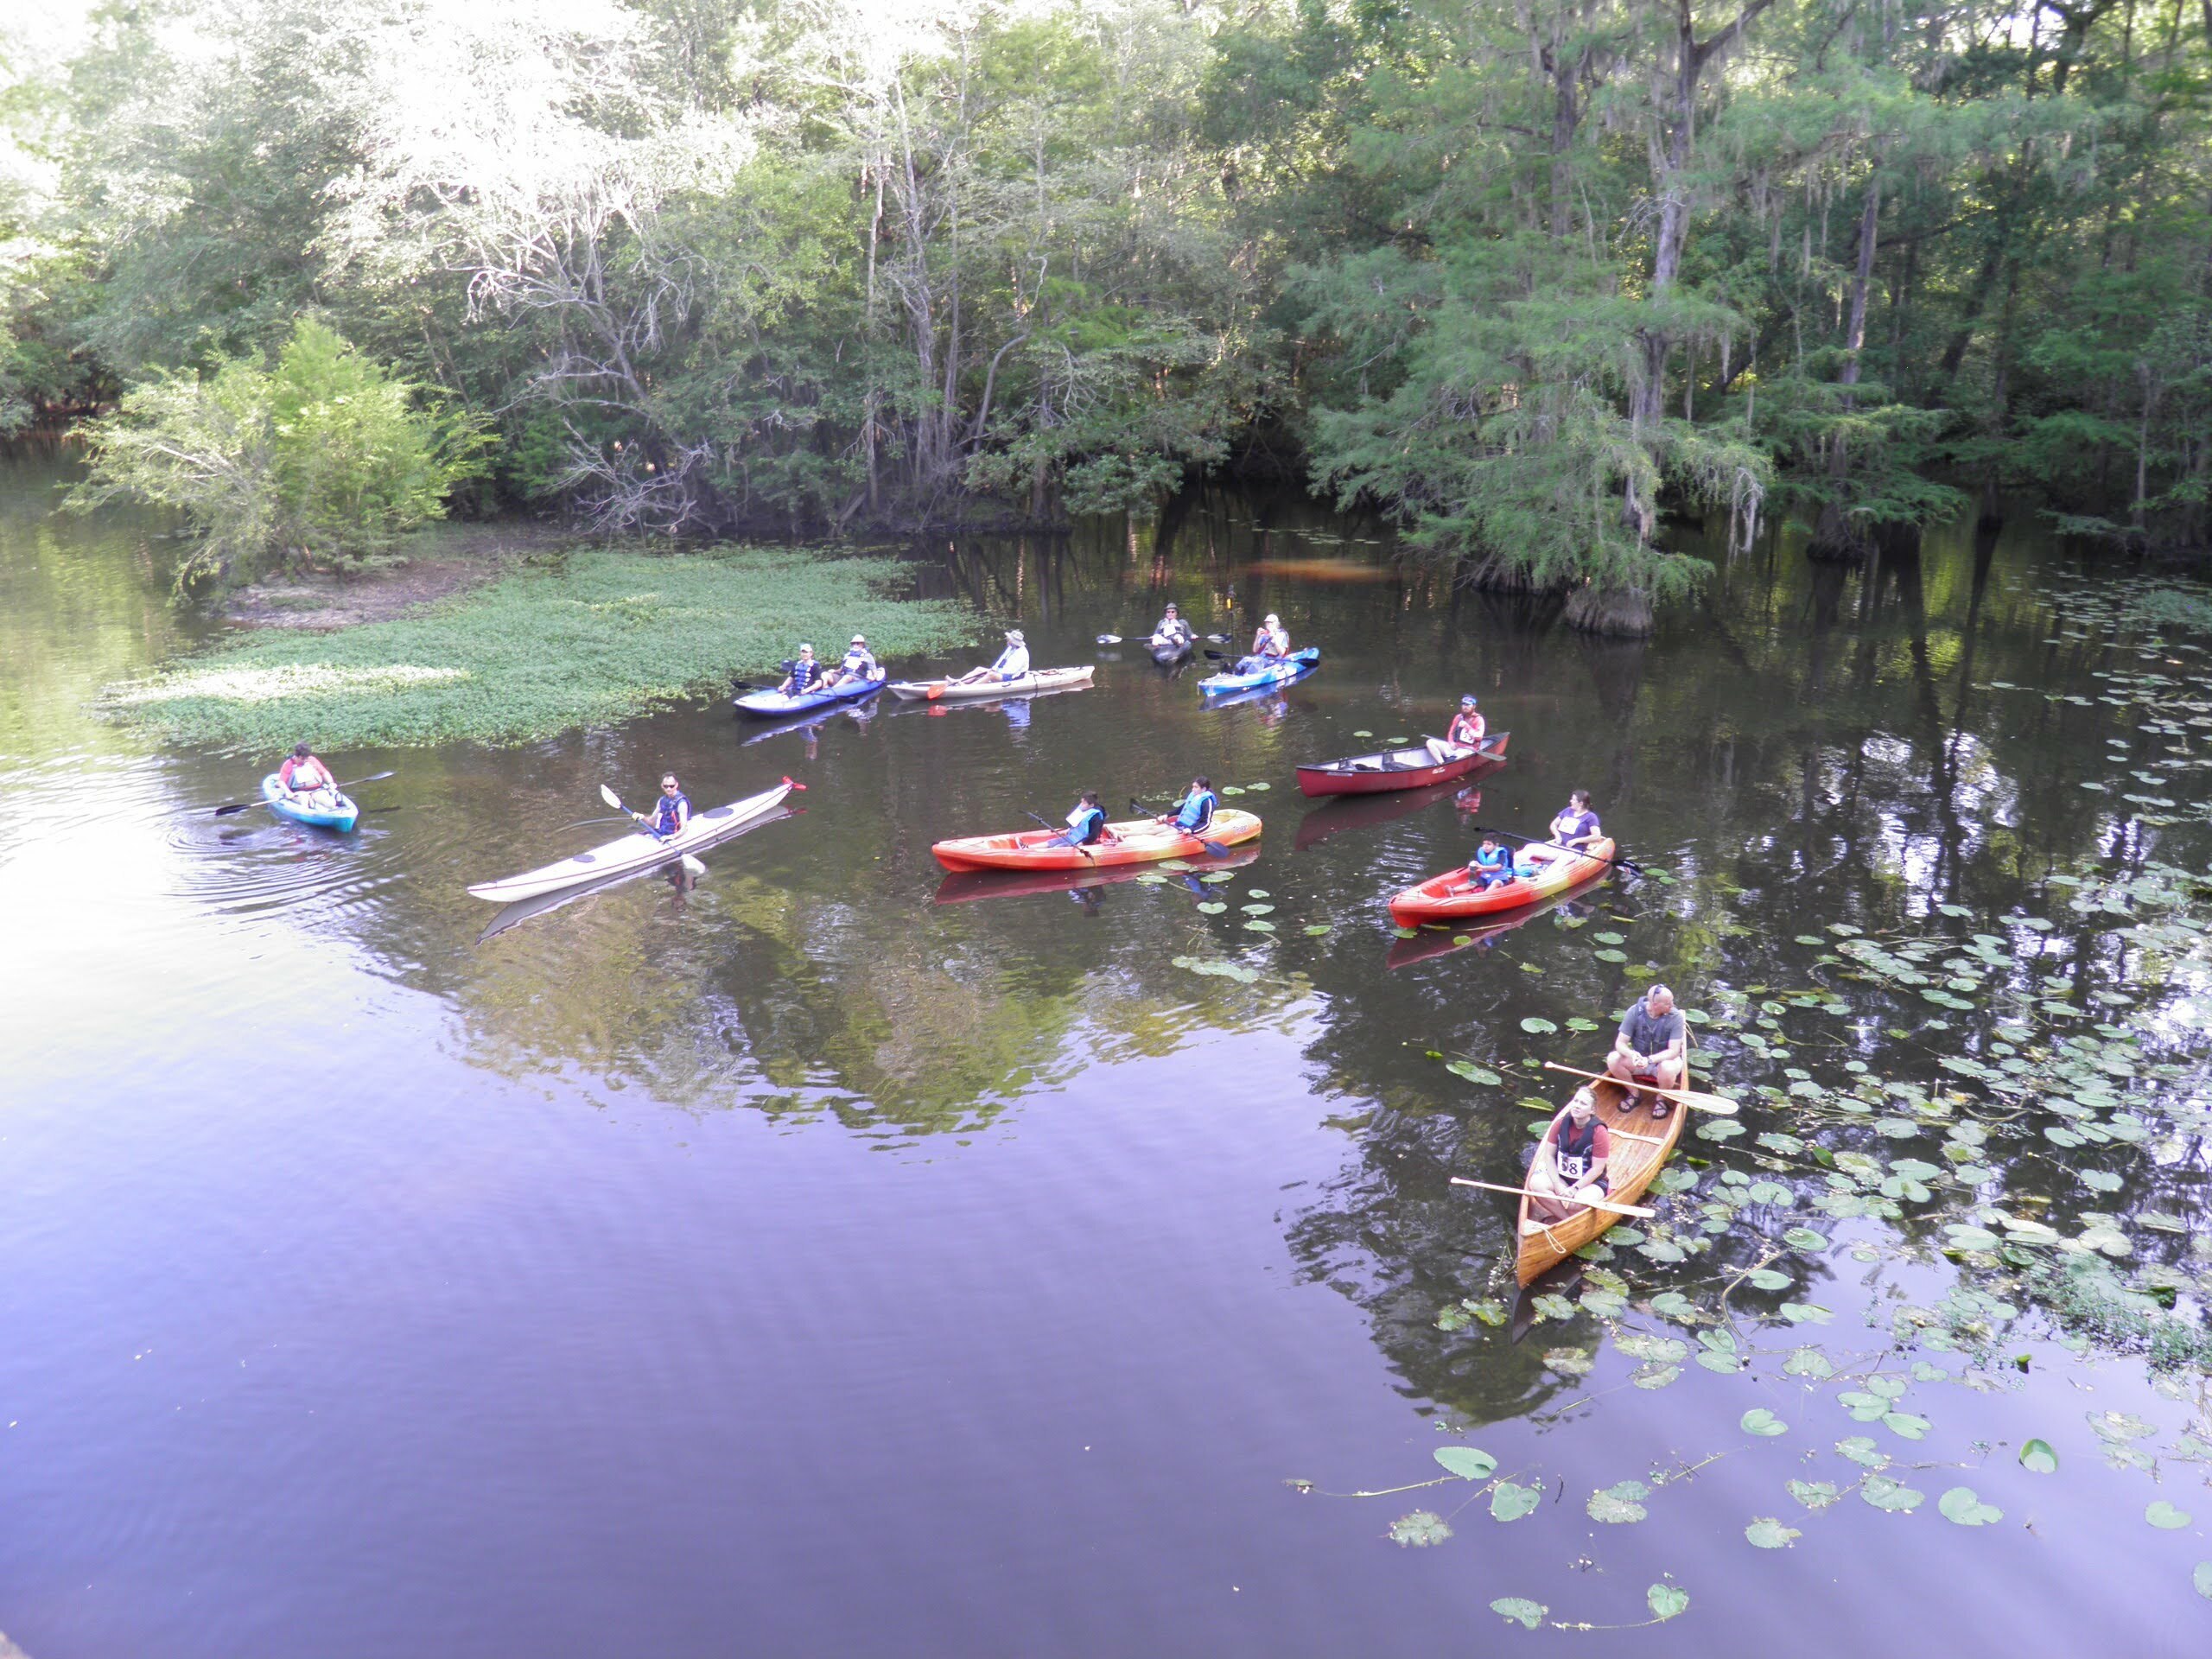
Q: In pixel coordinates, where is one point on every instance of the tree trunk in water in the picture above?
(1619, 612)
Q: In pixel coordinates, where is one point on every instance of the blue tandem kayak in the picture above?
(1295, 667)
(774, 705)
(343, 816)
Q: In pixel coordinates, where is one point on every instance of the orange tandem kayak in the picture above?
(1141, 841)
(1448, 897)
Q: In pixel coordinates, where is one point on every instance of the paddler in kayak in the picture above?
(1012, 662)
(805, 675)
(671, 814)
(1650, 1046)
(1490, 867)
(1467, 730)
(1269, 646)
(1086, 825)
(304, 778)
(1569, 1168)
(1194, 814)
(858, 664)
(1576, 826)
(1172, 629)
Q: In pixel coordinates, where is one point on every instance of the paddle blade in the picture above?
(1720, 1103)
(789, 784)
(235, 806)
(937, 691)
(610, 798)
(1109, 639)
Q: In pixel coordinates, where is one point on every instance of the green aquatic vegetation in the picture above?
(1767, 1532)
(1962, 1505)
(1619, 1504)
(1422, 1528)
(600, 637)
(1519, 1610)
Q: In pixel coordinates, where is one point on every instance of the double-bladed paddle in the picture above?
(1643, 1211)
(241, 806)
(690, 864)
(1629, 865)
(1214, 848)
(1086, 851)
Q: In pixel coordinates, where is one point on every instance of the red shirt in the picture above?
(1601, 1145)
(1468, 729)
(307, 774)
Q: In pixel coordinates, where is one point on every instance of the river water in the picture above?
(830, 1259)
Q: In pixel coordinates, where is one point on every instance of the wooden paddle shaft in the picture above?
(1703, 1103)
(1639, 1210)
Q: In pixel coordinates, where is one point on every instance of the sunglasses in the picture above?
(668, 785)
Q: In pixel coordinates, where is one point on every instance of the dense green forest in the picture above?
(1539, 278)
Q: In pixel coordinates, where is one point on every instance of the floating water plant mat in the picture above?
(2031, 1169)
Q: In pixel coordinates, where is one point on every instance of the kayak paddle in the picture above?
(1055, 829)
(240, 806)
(1629, 865)
(1214, 849)
(691, 865)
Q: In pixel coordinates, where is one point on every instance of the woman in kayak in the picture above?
(859, 664)
(805, 675)
(1012, 662)
(1194, 814)
(1269, 646)
(671, 814)
(302, 774)
(1576, 827)
(1086, 825)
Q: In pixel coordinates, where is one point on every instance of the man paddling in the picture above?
(1467, 731)
(303, 775)
(805, 675)
(671, 814)
(1012, 662)
(1576, 827)
(1194, 814)
(1569, 1169)
(1086, 825)
(1172, 629)
(1651, 1047)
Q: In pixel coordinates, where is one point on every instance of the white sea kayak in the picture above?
(1044, 679)
(634, 852)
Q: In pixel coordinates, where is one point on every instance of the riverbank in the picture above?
(439, 562)
(573, 639)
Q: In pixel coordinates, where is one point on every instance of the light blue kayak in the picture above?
(1298, 665)
(774, 705)
(344, 816)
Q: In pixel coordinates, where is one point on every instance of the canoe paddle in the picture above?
(1629, 865)
(240, 806)
(1643, 1211)
(1691, 1098)
(1214, 849)
(691, 865)
(1088, 854)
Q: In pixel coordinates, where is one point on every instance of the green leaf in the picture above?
(2202, 1579)
(1666, 1601)
(1884, 1493)
(1517, 1610)
(1804, 1238)
(1468, 1462)
(1509, 1502)
(1619, 1503)
(1761, 1421)
(1767, 1532)
(1815, 1494)
(1809, 1362)
(1473, 1073)
(1420, 1529)
(1905, 1426)
(2166, 1516)
(1962, 1505)
(1538, 1027)
(2037, 1458)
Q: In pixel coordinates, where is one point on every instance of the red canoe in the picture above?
(1141, 841)
(1371, 774)
(1446, 898)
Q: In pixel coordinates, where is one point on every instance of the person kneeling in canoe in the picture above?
(671, 815)
(1491, 866)
(1194, 814)
(305, 776)
(1467, 731)
(1576, 826)
(1012, 662)
(1086, 825)
(805, 675)
(1569, 1168)
(1269, 646)
(859, 664)
(1651, 1047)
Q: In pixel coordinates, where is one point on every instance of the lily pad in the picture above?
(1510, 1501)
(2166, 1516)
(1538, 1027)
(2037, 1458)
(1517, 1610)
(1761, 1421)
(1767, 1532)
(1815, 1494)
(1884, 1493)
(1422, 1528)
(1468, 1462)
(1619, 1503)
(1666, 1600)
(1473, 1073)
(1962, 1505)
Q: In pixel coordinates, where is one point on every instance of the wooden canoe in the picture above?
(1413, 768)
(1641, 1143)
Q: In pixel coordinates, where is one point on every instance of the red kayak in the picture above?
(1140, 841)
(1371, 774)
(1539, 872)
(1013, 884)
(1438, 941)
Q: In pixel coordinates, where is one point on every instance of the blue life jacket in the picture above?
(664, 822)
(1195, 811)
(1092, 826)
(803, 675)
(1495, 858)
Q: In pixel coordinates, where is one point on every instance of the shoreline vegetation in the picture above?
(581, 638)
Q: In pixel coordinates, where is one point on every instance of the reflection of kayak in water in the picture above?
(808, 724)
(523, 909)
(965, 884)
(1166, 652)
(1137, 841)
(636, 852)
(1372, 811)
(1443, 941)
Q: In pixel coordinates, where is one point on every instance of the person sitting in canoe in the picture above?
(1172, 629)
(671, 814)
(1569, 1168)
(805, 675)
(1012, 662)
(1491, 866)
(1194, 814)
(1651, 1047)
(1576, 826)
(1086, 825)
(1269, 646)
(859, 664)
(1467, 731)
(304, 776)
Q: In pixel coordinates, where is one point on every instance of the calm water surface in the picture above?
(829, 1260)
